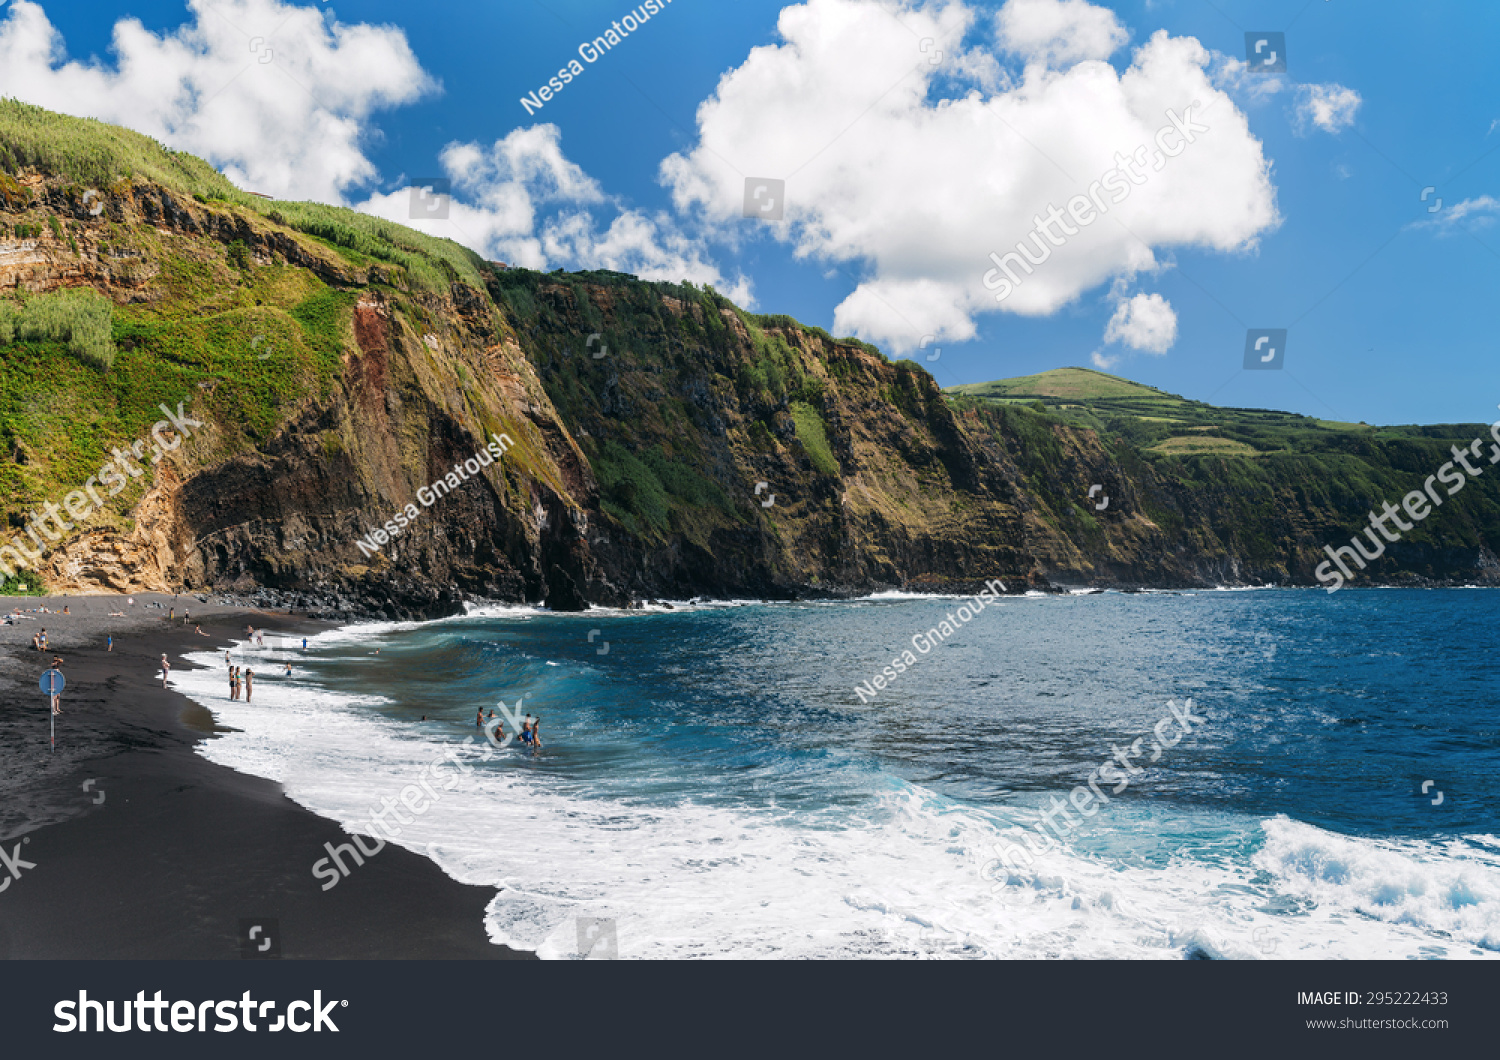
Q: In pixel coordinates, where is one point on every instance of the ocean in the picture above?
(712, 782)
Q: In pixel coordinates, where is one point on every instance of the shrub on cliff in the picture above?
(80, 319)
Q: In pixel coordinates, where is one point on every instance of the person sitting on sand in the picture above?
(65, 610)
(199, 630)
(36, 642)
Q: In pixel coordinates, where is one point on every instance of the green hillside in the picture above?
(1163, 424)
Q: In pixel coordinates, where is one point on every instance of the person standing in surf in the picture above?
(166, 668)
(249, 684)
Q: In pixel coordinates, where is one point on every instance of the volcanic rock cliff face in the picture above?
(658, 441)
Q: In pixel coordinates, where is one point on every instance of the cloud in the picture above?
(521, 201)
(1144, 322)
(913, 195)
(1330, 107)
(277, 96)
(1468, 215)
(1058, 32)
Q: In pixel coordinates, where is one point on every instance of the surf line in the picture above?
(950, 625)
(429, 495)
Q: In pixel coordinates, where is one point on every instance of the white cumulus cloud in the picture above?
(1144, 322)
(913, 194)
(1059, 31)
(520, 200)
(278, 96)
(1330, 107)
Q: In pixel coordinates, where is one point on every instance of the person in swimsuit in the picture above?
(289, 669)
(57, 698)
(536, 732)
(166, 668)
(249, 684)
(234, 684)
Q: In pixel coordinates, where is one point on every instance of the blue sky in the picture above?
(1301, 209)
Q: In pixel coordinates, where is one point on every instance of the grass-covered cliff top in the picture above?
(86, 153)
(1163, 424)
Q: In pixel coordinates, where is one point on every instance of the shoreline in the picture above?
(144, 849)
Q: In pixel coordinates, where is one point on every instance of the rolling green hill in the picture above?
(1158, 422)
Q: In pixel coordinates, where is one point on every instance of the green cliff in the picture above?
(660, 441)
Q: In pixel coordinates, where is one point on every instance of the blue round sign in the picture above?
(53, 682)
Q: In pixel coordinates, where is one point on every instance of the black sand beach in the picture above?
(165, 853)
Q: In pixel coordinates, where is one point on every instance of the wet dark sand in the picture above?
(165, 853)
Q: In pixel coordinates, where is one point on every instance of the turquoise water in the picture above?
(714, 780)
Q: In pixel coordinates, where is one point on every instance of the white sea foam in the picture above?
(901, 876)
(1450, 889)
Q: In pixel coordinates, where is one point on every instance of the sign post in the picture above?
(53, 683)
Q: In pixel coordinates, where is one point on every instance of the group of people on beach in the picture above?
(530, 734)
(235, 680)
(18, 615)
